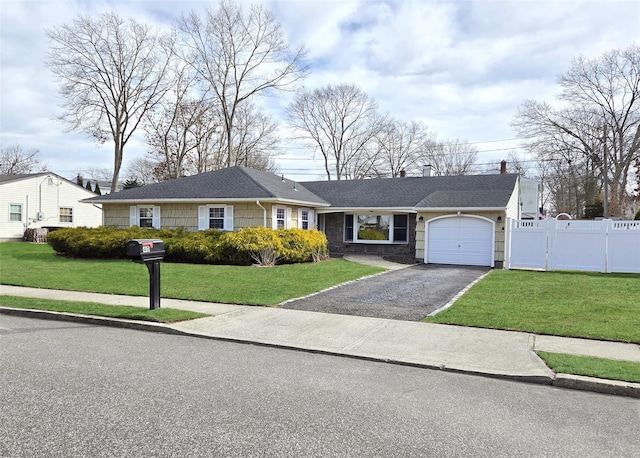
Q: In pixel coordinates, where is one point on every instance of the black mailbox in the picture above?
(150, 252)
(145, 250)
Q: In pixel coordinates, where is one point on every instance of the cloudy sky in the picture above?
(463, 67)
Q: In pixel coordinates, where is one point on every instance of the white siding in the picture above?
(45, 194)
(513, 206)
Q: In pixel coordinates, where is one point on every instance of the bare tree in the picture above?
(599, 114)
(111, 72)
(177, 127)
(15, 160)
(143, 171)
(342, 122)
(401, 145)
(255, 138)
(237, 56)
(451, 157)
(514, 164)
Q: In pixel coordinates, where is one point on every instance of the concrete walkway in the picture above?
(496, 353)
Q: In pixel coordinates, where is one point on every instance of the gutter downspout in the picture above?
(264, 213)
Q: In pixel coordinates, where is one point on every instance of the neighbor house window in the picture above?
(66, 215)
(376, 228)
(215, 217)
(145, 216)
(15, 212)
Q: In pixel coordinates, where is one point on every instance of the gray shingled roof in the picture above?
(237, 183)
(230, 183)
(465, 191)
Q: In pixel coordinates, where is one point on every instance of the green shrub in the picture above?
(99, 242)
(257, 245)
(301, 245)
(637, 217)
(194, 247)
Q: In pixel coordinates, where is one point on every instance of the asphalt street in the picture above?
(80, 390)
(408, 294)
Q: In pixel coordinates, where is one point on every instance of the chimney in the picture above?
(403, 174)
(426, 170)
(503, 167)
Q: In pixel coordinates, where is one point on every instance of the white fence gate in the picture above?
(550, 244)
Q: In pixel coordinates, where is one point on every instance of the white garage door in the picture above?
(460, 240)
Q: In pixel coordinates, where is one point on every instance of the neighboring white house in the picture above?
(43, 200)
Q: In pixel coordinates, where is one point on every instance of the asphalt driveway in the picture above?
(408, 294)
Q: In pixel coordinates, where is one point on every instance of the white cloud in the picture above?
(463, 67)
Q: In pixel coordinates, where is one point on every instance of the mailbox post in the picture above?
(149, 252)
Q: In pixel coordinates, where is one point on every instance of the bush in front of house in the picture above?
(300, 245)
(101, 242)
(256, 245)
(194, 247)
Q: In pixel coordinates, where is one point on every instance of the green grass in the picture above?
(576, 304)
(37, 265)
(161, 315)
(592, 367)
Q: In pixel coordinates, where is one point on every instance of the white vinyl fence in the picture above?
(550, 244)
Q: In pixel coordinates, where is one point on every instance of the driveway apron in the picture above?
(408, 294)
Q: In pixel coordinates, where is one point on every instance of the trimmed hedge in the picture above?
(257, 245)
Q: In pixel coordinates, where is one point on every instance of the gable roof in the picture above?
(409, 193)
(464, 191)
(25, 176)
(230, 184)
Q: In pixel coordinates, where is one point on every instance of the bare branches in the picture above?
(111, 72)
(600, 96)
(16, 160)
(451, 157)
(402, 146)
(238, 55)
(342, 122)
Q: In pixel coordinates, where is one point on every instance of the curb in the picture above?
(580, 382)
(575, 382)
(90, 319)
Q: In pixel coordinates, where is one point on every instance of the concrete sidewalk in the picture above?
(496, 353)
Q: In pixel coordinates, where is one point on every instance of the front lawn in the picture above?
(576, 304)
(627, 371)
(161, 315)
(37, 265)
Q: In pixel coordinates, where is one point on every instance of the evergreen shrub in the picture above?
(255, 245)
